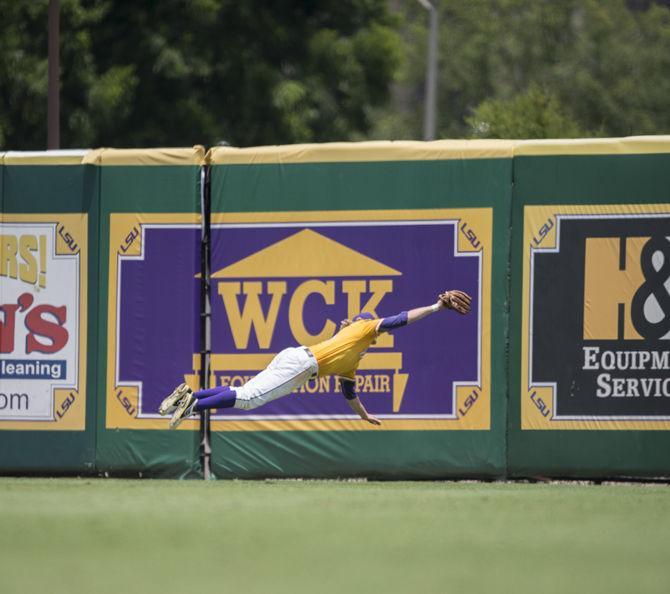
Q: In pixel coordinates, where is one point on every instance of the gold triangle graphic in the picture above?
(305, 254)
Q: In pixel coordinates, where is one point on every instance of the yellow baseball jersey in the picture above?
(341, 354)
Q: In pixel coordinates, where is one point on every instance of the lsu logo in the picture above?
(597, 317)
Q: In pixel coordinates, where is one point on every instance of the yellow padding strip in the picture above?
(66, 157)
(631, 145)
(342, 152)
(156, 156)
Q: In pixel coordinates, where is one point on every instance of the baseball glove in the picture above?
(456, 300)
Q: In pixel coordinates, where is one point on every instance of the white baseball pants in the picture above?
(290, 369)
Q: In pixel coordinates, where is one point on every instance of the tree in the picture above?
(180, 72)
(532, 114)
(604, 64)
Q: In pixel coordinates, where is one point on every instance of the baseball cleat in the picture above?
(169, 405)
(184, 410)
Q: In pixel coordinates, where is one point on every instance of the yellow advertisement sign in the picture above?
(596, 317)
(287, 279)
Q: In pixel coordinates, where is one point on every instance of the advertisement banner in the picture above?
(283, 279)
(596, 317)
(153, 314)
(43, 301)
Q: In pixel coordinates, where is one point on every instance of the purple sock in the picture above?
(216, 398)
(208, 392)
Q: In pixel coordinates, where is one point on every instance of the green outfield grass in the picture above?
(142, 536)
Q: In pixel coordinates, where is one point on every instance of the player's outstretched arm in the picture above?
(357, 406)
(348, 387)
(456, 300)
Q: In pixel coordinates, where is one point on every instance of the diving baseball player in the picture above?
(294, 366)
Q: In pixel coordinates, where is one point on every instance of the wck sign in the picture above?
(596, 350)
(287, 282)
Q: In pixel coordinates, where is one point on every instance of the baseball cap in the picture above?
(364, 316)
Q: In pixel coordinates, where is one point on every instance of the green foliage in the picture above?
(148, 73)
(532, 114)
(23, 71)
(605, 66)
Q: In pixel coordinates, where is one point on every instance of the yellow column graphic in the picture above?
(399, 385)
(606, 286)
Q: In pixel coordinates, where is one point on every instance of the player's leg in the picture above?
(289, 370)
(169, 404)
(226, 397)
(221, 397)
(207, 392)
(216, 397)
(268, 388)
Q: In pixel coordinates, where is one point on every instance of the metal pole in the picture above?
(205, 317)
(430, 109)
(53, 111)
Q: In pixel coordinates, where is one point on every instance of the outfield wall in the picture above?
(303, 236)
(324, 231)
(149, 305)
(589, 371)
(48, 289)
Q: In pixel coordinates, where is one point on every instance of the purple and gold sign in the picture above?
(288, 279)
